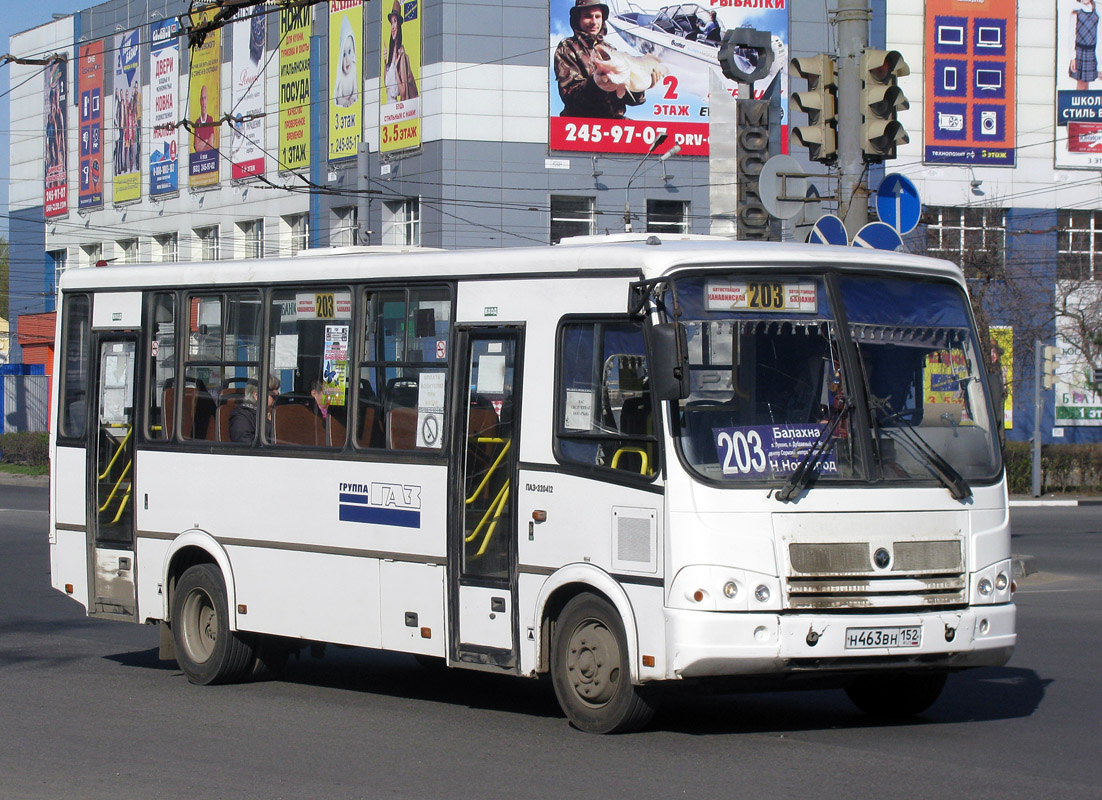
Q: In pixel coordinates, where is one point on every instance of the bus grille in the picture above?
(843, 575)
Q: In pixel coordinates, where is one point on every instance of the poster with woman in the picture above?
(345, 78)
(621, 73)
(399, 93)
(204, 104)
(127, 106)
(56, 201)
(1078, 87)
(249, 47)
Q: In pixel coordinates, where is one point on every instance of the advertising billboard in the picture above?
(204, 104)
(90, 111)
(294, 86)
(399, 96)
(622, 72)
(247, 96)
(164, 80)
(1078, 399)
(56, 114)
(971, 67)
(1078, 88)
(128, 118)
(346, 34)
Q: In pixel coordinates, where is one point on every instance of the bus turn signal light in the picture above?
(426, 633)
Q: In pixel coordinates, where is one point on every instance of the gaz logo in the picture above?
(392, 504)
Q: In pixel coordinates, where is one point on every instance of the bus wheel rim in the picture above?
(593, 663)
(200, 625)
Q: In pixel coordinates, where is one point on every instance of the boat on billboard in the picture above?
(647, 70)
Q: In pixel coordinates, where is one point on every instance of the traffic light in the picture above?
(881, 99)
(1048, 366)
(819, 102)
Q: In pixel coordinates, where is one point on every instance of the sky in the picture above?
(30, 15)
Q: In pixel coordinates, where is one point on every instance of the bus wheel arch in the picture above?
(191, 548)
(570, 581)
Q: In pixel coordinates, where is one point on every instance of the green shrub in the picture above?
(30, 449)
(1064, 467)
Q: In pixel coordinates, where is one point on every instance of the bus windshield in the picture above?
(773, 395)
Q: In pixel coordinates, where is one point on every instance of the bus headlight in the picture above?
(1001, 581)
(730, 589)
(984, 586)
(762, 593)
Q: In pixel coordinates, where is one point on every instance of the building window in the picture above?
(343, 231)
(299, 232)
(974, 238)
(571, 216)
(209, 249)
(91, 254)
(252, 237)
(1079, 245)
(168, 248)
(667, 216)
(402, 222)
(60, 260)
(128, 251)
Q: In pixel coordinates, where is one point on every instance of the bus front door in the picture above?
(111, 475)
(483, 549)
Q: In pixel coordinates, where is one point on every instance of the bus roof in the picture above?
(637, 255)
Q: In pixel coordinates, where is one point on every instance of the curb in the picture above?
(1035, 502)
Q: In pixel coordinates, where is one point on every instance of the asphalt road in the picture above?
(87, 711)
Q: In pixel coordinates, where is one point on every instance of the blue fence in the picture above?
(24, 398)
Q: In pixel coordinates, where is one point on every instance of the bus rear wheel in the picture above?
(207, 651)
(590, 670)
(896, 696)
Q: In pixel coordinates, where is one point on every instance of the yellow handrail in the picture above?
(496, 507)
(490, 471)
(118, 483)
(122, 446)
(639, 451)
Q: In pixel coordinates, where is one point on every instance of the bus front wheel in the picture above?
(590, 670)
(896, 696)
(207, 650)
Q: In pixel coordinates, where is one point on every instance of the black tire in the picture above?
(896, 696)
(589, 669)
(207, 651)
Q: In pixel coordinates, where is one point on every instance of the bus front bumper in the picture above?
(710, 643)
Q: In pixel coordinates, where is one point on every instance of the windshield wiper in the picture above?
(805, 470)
(952, 480)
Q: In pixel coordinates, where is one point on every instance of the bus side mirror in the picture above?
(669, 371)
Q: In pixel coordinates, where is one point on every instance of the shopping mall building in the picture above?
(140, 134)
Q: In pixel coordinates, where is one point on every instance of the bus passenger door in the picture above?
(111, 476)
(483, 526)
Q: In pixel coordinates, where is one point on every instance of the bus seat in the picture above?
(401, 428)
(168, 408)
(294, 423)
(371, 428)
(335, 426)
(222, 417)
(198, 414)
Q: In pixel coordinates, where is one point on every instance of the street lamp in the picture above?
(661, 159)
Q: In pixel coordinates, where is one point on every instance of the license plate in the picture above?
(868, 638)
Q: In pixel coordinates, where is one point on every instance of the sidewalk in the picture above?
(1053, 500)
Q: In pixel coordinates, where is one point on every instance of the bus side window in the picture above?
(604, 414)
(162, 366)
(75, 378)
(403, 372)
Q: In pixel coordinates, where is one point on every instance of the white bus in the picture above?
(625, 461)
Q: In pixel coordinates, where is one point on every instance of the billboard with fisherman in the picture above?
(622, 73)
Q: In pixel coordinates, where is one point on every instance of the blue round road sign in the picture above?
(829, 230)
(878, 236)
(897, 203)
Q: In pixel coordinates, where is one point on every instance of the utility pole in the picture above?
(363, 199)
(852, 21)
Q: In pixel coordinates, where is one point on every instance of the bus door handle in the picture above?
(497, 605)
